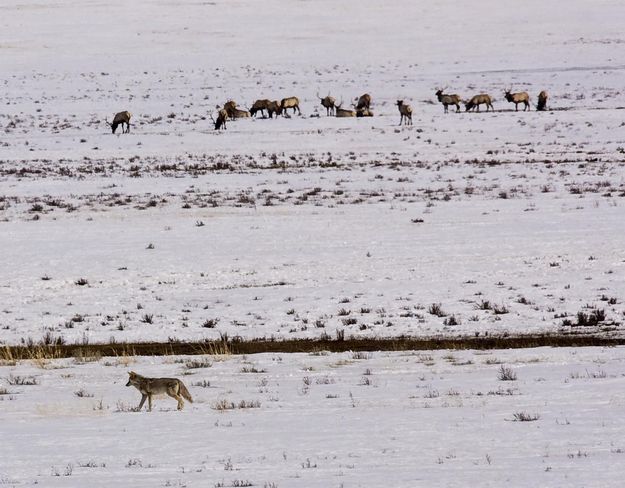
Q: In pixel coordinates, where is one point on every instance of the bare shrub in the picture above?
(436, 309)
(148, 318)
(249, 404)
(506, 373)
(252, 369)
(15, 380)
(592, 318)
(524, 417)
(224, 404)
(82, 393)
(500, 309)
(198, 363)
(210, 323)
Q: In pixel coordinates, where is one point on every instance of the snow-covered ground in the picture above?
(463, 224)
(352, 419)
(298, 227)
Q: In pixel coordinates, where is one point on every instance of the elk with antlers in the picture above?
(121, 118)
(222, 116)
(516, 98)
(329, 103)
(344, 112)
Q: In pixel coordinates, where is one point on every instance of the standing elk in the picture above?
(290, 102)
(329, 103)
(344, 112)
(478, 100)
(542, 100)
(405, 112)
(122, 118)
(516, 98)
(271, 106)
(364, 101)
(222, 116)
(447, 100)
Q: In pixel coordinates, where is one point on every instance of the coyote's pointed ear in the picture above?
(131, 373)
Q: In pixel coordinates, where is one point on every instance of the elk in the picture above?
(120, 118)
(222, 116)
(516, 98)
(447, 100)
(344, 112)
(329, 103)
(230, 106)
(270, 106)
(364, 101)
(237, 113)
(290, 102)
(478, 100)
(364, 112)
(542, 100)
(405, 112)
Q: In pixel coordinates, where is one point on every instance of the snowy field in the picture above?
(351, 419)
(461, 224)
(311, 226)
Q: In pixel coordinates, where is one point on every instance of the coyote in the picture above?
(154, 386)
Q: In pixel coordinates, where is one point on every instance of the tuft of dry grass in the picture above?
(525, 417)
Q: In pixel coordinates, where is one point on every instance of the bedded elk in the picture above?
(329, 103)
(222, 116)
(448, 100)
(364, 101)
(290, 102)
(405, 112)
(122, 118)
(344, 112)
(478, 100)
(271, 106)
(516, 98)
(238, 113)
(542, 100)
(364, 112)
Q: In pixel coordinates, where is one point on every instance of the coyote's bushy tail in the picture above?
(185, 393)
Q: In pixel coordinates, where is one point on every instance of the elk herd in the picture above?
(360, 108)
